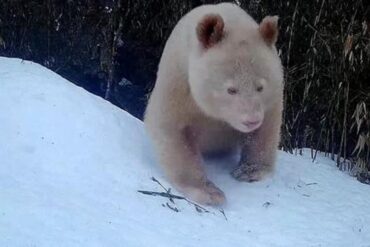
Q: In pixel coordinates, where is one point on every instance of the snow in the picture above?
(71, 165)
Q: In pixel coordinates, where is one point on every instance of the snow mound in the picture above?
(71, 165)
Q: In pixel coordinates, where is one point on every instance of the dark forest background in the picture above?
(112, 49)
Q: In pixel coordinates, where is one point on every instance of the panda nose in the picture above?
(252, 123)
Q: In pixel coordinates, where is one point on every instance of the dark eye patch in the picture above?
(232, 91)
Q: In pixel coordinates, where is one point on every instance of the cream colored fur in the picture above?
(206, 98)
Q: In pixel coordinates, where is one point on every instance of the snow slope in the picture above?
(71, 165)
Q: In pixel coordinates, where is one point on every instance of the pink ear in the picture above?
(269, 29)
(210, 30)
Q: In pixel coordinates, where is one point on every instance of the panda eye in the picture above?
(259, 89)
(232, 91)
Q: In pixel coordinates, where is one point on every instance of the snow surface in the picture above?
(71, 165)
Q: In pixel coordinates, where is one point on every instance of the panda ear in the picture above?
(269, 30)
(210, 30)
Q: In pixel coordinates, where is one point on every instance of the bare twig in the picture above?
(171, 197)
(311, 184)
(223, 213)
(163, 194)
(172, 208)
